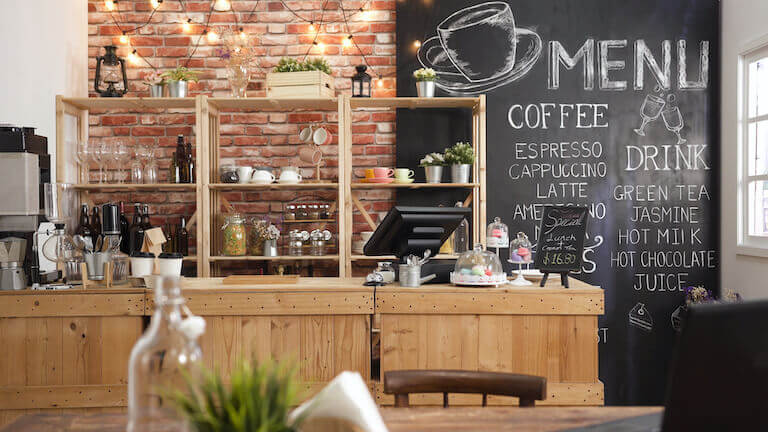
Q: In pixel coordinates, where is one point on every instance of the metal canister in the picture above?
(296, 241)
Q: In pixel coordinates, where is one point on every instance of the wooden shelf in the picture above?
(412, 185)
(130, 103)
(393, 258)
(274, 104)
(271, 186)
(415, 102)
(127, 187)
(190, 258)
(290, 221)
(277, 258)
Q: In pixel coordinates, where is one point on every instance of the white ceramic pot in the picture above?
(169, 264)
(460, 173)
(434, 173)
(142, 264)
(178, 89)
(425, 89)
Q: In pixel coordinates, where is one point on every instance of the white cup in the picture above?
(321, 136)
(142, 264)
(262, 177)
(306, 134)
(169, 264)
(290, 175)
(244, 174)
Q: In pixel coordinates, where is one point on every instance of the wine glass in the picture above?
(673, 120)
(121, 156)
(137, 171)
(97, 153)
(150, 165)
(108, 155)
(83, 156)
(652, 106)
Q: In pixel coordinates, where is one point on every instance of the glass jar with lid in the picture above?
(325, 211)
(228, 174)
(302, 212)
(478, 267)
(290, 212)
(387, 271)
(318, 241)
(233, 235)
(313, 211)
(296, 241)
(497, 234)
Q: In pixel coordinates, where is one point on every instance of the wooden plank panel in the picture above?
(316, 348)
(403, 342)
(501, 301)
(351, 344)
(43, 350)
(81, 350)
(257, 337)
(277, 303)
(119, 334)
(286, 338)
(227, 337)
(13, 359)
(55, 396)
(452, 342)
(71, 304)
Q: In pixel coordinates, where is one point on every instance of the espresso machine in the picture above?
(25, 166)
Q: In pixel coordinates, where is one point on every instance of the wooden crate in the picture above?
(308, 84)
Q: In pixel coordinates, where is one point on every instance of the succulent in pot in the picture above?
(425, 82)
(460, 157)
(155, 83)
(433, 167)
(178, 80)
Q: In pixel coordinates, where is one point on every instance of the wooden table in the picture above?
(397, 419)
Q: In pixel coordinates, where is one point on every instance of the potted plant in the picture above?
(258, 397)
(155, 83)
(294, 78)
(433, 167)
(460, 157)
(425, 82)
(178, 80)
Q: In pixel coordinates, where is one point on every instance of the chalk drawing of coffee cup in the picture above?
(463, 67)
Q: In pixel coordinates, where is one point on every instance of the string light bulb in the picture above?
(211, 35)
(417, 43)
(320, 46)
(347, 42)
(133, 57)
(109, 5)
(155, 3)
(222, 5)
(124, 39)
(187, 26)
(380, 82)
(242, 34)
(312, 27)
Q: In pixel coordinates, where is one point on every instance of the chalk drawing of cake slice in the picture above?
(640, 317)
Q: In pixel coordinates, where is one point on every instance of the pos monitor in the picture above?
(412, 230)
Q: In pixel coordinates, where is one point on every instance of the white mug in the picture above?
(321, 136)
(306, 134)
(262, 177)
(290, 175)
(244, 174)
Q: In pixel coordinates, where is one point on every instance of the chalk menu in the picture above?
(560, 245)
(609, 105)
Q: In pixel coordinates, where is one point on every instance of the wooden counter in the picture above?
(68, 350)
(550, 332)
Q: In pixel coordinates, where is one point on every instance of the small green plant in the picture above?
(181, 74)
(258, 398)
(432, 159)
(460, 154)
(425, 74)
(287, 64)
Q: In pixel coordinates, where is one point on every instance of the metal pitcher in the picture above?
(410, 271)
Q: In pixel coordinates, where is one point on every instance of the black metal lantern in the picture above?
(110, 79)
(361, 82)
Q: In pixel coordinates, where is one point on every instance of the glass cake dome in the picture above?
(478, 267)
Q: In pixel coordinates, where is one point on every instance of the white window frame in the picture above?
(748, 244)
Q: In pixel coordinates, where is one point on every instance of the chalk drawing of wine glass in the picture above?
(650, 111)
(674, 122)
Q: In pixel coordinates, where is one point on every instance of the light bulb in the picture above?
(133, 57)
(154, 3)
(187, 26)
(320, 46)
(417, 43)
(124, 39)
(380, 83)
(312, 27)
(222, 5)
(242, 34)
(109, 5)
(212, 36)
(347, 42)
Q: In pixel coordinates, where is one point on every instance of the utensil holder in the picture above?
(105, 282)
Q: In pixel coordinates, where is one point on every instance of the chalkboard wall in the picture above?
(609, 104)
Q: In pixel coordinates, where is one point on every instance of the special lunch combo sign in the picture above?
(605, 104)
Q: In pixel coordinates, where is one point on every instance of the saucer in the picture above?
(404, 181)
(381, 180)
(450, 79)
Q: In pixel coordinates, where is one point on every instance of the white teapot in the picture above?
(289, 175)
(262, 176)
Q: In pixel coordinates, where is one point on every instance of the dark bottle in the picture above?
(145, 223)
(135, 231)
(124, 246)
(181, 160)
(173, 170)
(182, 238)
(190, 163)
(84, 226)
(170, 238)
(95, 221)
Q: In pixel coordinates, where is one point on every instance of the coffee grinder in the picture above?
(25, 166)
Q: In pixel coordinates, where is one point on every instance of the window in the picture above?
(753, 169)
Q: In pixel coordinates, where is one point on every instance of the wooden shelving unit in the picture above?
(210, 192)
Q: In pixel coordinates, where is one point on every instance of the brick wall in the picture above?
(247, 138)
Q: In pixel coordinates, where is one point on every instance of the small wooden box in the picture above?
(308, 84)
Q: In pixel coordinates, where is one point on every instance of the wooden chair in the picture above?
(528, 388)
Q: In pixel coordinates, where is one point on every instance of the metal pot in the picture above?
(270, 248)
(178, 89)
(460, 173)
(434, 173)
(156, 90)
(425, 89)
(410, 276)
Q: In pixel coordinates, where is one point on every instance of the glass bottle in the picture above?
(95, 221)
(190, 163)
(181, 159)
(182, 238)
(136, 231)
(461, 235)
(165, 352)
(233, 235)
(173, 170)
(124, 247)
(84, 226)
(145, 222)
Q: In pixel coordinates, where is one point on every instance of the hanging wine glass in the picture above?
(122, 155)
(83, 157)
(97, 157)
(137, 171)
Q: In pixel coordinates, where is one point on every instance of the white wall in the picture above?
(44, 53)
(743, 22)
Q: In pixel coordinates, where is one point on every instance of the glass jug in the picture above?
(168, 347)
